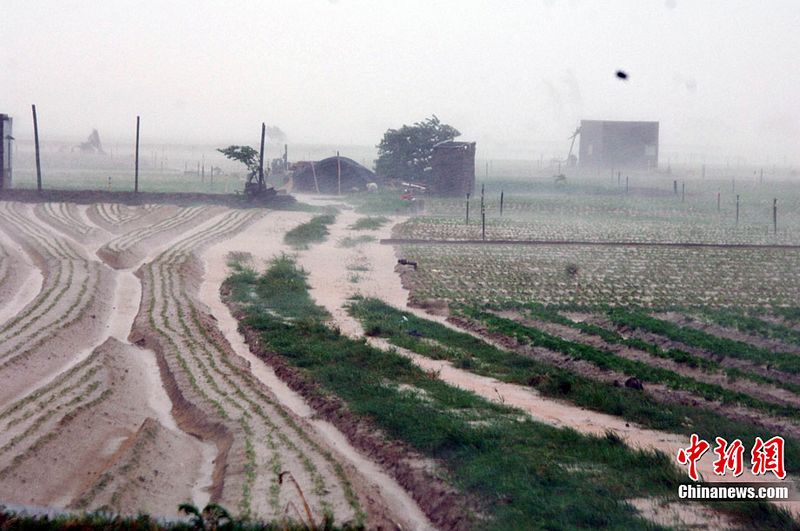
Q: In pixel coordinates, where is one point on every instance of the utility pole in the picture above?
(775, 216)
(261, 158)
(314, 173)
(136, 161)
(36, 142)
(483, 214)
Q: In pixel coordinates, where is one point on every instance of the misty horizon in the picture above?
(720, 78)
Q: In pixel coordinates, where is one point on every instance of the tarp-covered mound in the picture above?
(354, 175)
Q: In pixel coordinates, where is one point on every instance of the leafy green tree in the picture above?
(406, 153)
(244, 154)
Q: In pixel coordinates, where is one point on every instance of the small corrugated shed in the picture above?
(453, 168)
(325, 175)
(618, 144)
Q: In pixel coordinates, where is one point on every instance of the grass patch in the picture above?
(350, 241)
(519, 470)
(313, 231)
(369, 223)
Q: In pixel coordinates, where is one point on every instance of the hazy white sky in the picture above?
(721, 76)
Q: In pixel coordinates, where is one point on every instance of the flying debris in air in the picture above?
(621, 74)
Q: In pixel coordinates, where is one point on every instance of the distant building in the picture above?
(453, 168)
(5, 151)
(623, 145)
(328, 176)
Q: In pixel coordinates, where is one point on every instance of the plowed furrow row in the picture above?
(64, 217)
(118, 218)
(36, 239)
(70, 410)
(128, 240)
(64, 272)
(83, 292)
(31, 419)
(267, 438)
(227, 385)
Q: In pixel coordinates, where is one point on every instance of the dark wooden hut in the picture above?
(453, 168)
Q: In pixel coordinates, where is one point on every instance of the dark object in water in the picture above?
(403, 261)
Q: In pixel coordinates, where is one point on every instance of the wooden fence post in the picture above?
(339, 172)
(36, 142)
(775, 215)
(261, 158)
(483, 214)
(136, 161)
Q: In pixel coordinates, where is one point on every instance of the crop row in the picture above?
(607, 360)
(587, 213)
(754, 324)
(719, 346)
(267, 439)
(117, 214)
(184, 217)
(602, 275)
(590, 229)
(68, 288)
(520, 366)
(38, 417)
(709, 361)
(64, 216)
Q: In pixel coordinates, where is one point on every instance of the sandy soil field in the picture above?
(111, 323)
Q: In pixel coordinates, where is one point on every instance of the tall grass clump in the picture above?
(313, 231)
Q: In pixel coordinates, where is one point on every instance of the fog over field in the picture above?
(721, 77)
